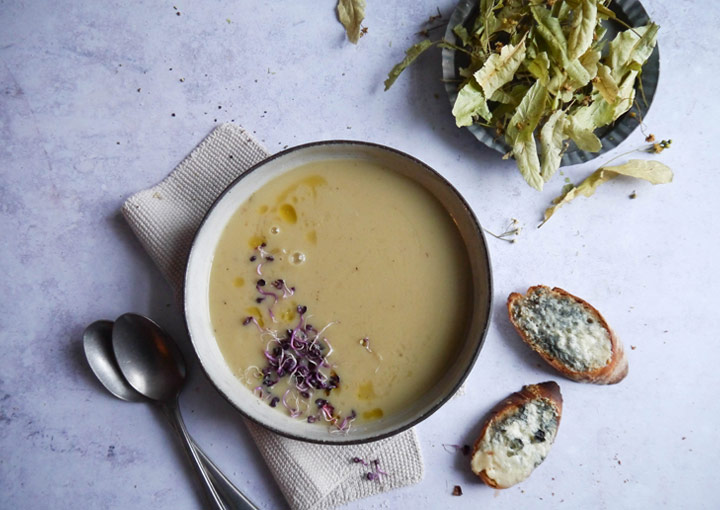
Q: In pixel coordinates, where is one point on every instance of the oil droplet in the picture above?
(311, 237)
(275, 230)
(297, 258)
(366, 391)
(238, 282)
(287, 213)
(374, 414)
(289, 314)
(311, 182)
(255, 241)
(254, 311)
(263, 209)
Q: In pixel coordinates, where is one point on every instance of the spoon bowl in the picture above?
(97, 343)
(148, 357)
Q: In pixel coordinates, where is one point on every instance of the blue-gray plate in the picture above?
(629, 11)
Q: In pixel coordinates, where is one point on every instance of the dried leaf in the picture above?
(500, 69)
(462, 34)
(411, 54)
(539, 68)
(551, 30)
(589, 60)
(605, 84)
(583, 135)
(528, 113)
(526, 156)
(470, 102)
(552, 136)
(520, 133)
(351, 14)
(582, 29)
(630, 49)
(649, 170)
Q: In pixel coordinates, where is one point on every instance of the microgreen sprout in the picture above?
(374, 465)
(452, 448)
(298, 355)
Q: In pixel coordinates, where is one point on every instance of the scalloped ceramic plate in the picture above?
(630, 11)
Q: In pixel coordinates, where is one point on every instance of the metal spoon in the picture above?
(97, 343)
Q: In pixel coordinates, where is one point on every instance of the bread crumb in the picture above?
(457, 491)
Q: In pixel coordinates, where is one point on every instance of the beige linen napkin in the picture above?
(165, 218)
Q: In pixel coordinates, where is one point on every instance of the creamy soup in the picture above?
(339, 292)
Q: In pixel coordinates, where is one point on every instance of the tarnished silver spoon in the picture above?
(97, 343)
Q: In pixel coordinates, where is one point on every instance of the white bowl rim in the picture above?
(339, 439)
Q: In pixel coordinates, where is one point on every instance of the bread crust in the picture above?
(549, 391)
(612, 373)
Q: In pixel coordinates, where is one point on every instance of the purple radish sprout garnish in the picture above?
(280, 284)
(263, 253)
(365, 342)
(379, 471)
(253, 258)
(299, 356)
(252, 319)
(284, 401)
(376, 471)
(347, 422)
(452, 448)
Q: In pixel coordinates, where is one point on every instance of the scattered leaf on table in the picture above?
(351, 14)
(411, 54)
(649, 170)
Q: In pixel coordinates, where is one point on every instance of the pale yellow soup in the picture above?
(380, 266)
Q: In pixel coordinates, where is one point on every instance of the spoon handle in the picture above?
(172, 411)
(235, 499)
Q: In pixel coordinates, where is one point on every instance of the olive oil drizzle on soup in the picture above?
(339, 292)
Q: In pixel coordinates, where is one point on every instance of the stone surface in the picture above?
(100, 100)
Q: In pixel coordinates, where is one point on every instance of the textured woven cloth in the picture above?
(165, 218)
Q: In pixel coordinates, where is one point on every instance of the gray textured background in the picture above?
(87, 96)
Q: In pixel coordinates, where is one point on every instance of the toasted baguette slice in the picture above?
(569, 334)
(518, 435)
